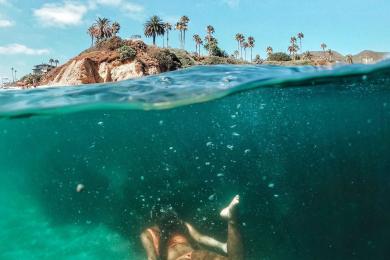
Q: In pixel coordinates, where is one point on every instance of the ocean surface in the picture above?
(308, 150)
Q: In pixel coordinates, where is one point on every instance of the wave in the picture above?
(174, 89)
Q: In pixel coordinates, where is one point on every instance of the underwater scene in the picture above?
(307, 149)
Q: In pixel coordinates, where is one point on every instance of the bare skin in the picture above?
(233, 248)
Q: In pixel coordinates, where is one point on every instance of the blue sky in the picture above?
(33, 31)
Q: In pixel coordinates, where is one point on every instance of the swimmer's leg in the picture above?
(235, 248)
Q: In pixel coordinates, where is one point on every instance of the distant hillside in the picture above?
(368, 56)
(365, 57)
(336, 56)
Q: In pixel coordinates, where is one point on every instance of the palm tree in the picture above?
(349, 59)
(200, 43)
(251, 44)
(300, 37)
(239, 38)
(51, 61)
(56, 62)
(323, 47)
(167, 27)
(16, 79)
(92, 32)
(245, 45)
(236, 54)
(242, 40)
(292, 49)
(154, 27)
(179, 27)
(12, 71)
(270, 50)
(184, 20)
(210, 31)
(115, 27)
(196, 38)
(103, 28)
(330, 52)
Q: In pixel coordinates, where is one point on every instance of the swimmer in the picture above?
(173, 239)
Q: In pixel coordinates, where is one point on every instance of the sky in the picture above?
(33, 31)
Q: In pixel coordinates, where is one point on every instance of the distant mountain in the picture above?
(365, 57)
(368, 56)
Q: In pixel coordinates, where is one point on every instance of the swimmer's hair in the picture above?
(161, 213)
(169, 222)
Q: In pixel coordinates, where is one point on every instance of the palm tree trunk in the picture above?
(208, 39)
(251, 55)
(238, 45)
(300, 44)
(163, 41)
(184, 39)
(181, 39)
(154, 39)
(168, 39)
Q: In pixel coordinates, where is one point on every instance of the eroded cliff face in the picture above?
(87, 71)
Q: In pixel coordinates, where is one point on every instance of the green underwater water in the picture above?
(310, 160)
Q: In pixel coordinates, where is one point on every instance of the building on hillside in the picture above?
(135, 37)
(42, 68)
(368, 60)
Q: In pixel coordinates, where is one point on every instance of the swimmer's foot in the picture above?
(229, 212)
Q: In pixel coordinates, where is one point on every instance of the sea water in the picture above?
(308, 150)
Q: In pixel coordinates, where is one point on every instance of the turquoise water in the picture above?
(306, 148)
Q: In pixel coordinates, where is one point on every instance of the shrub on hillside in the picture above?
(167, 60)
(31, 78)
(215, 60)
(110, 44)
(279, 56)
(126, 52)
(184, 57)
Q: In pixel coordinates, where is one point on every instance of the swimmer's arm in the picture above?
(206, 240)
(148, 246)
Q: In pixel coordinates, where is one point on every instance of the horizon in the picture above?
(36, 32)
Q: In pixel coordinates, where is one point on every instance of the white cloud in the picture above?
(66, 14)
(232, 3)
(16, 48)
(5, 23)
(133, 10)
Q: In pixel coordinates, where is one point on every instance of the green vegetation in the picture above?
(279, 56)
(168, 61)
(258, 60)
(111, 44)
(31, 79)
(102, 30)
(185, 59)
(126, 52)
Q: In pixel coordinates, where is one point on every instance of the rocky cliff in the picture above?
(106, 63)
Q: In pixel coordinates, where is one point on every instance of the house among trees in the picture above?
(42, 69)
